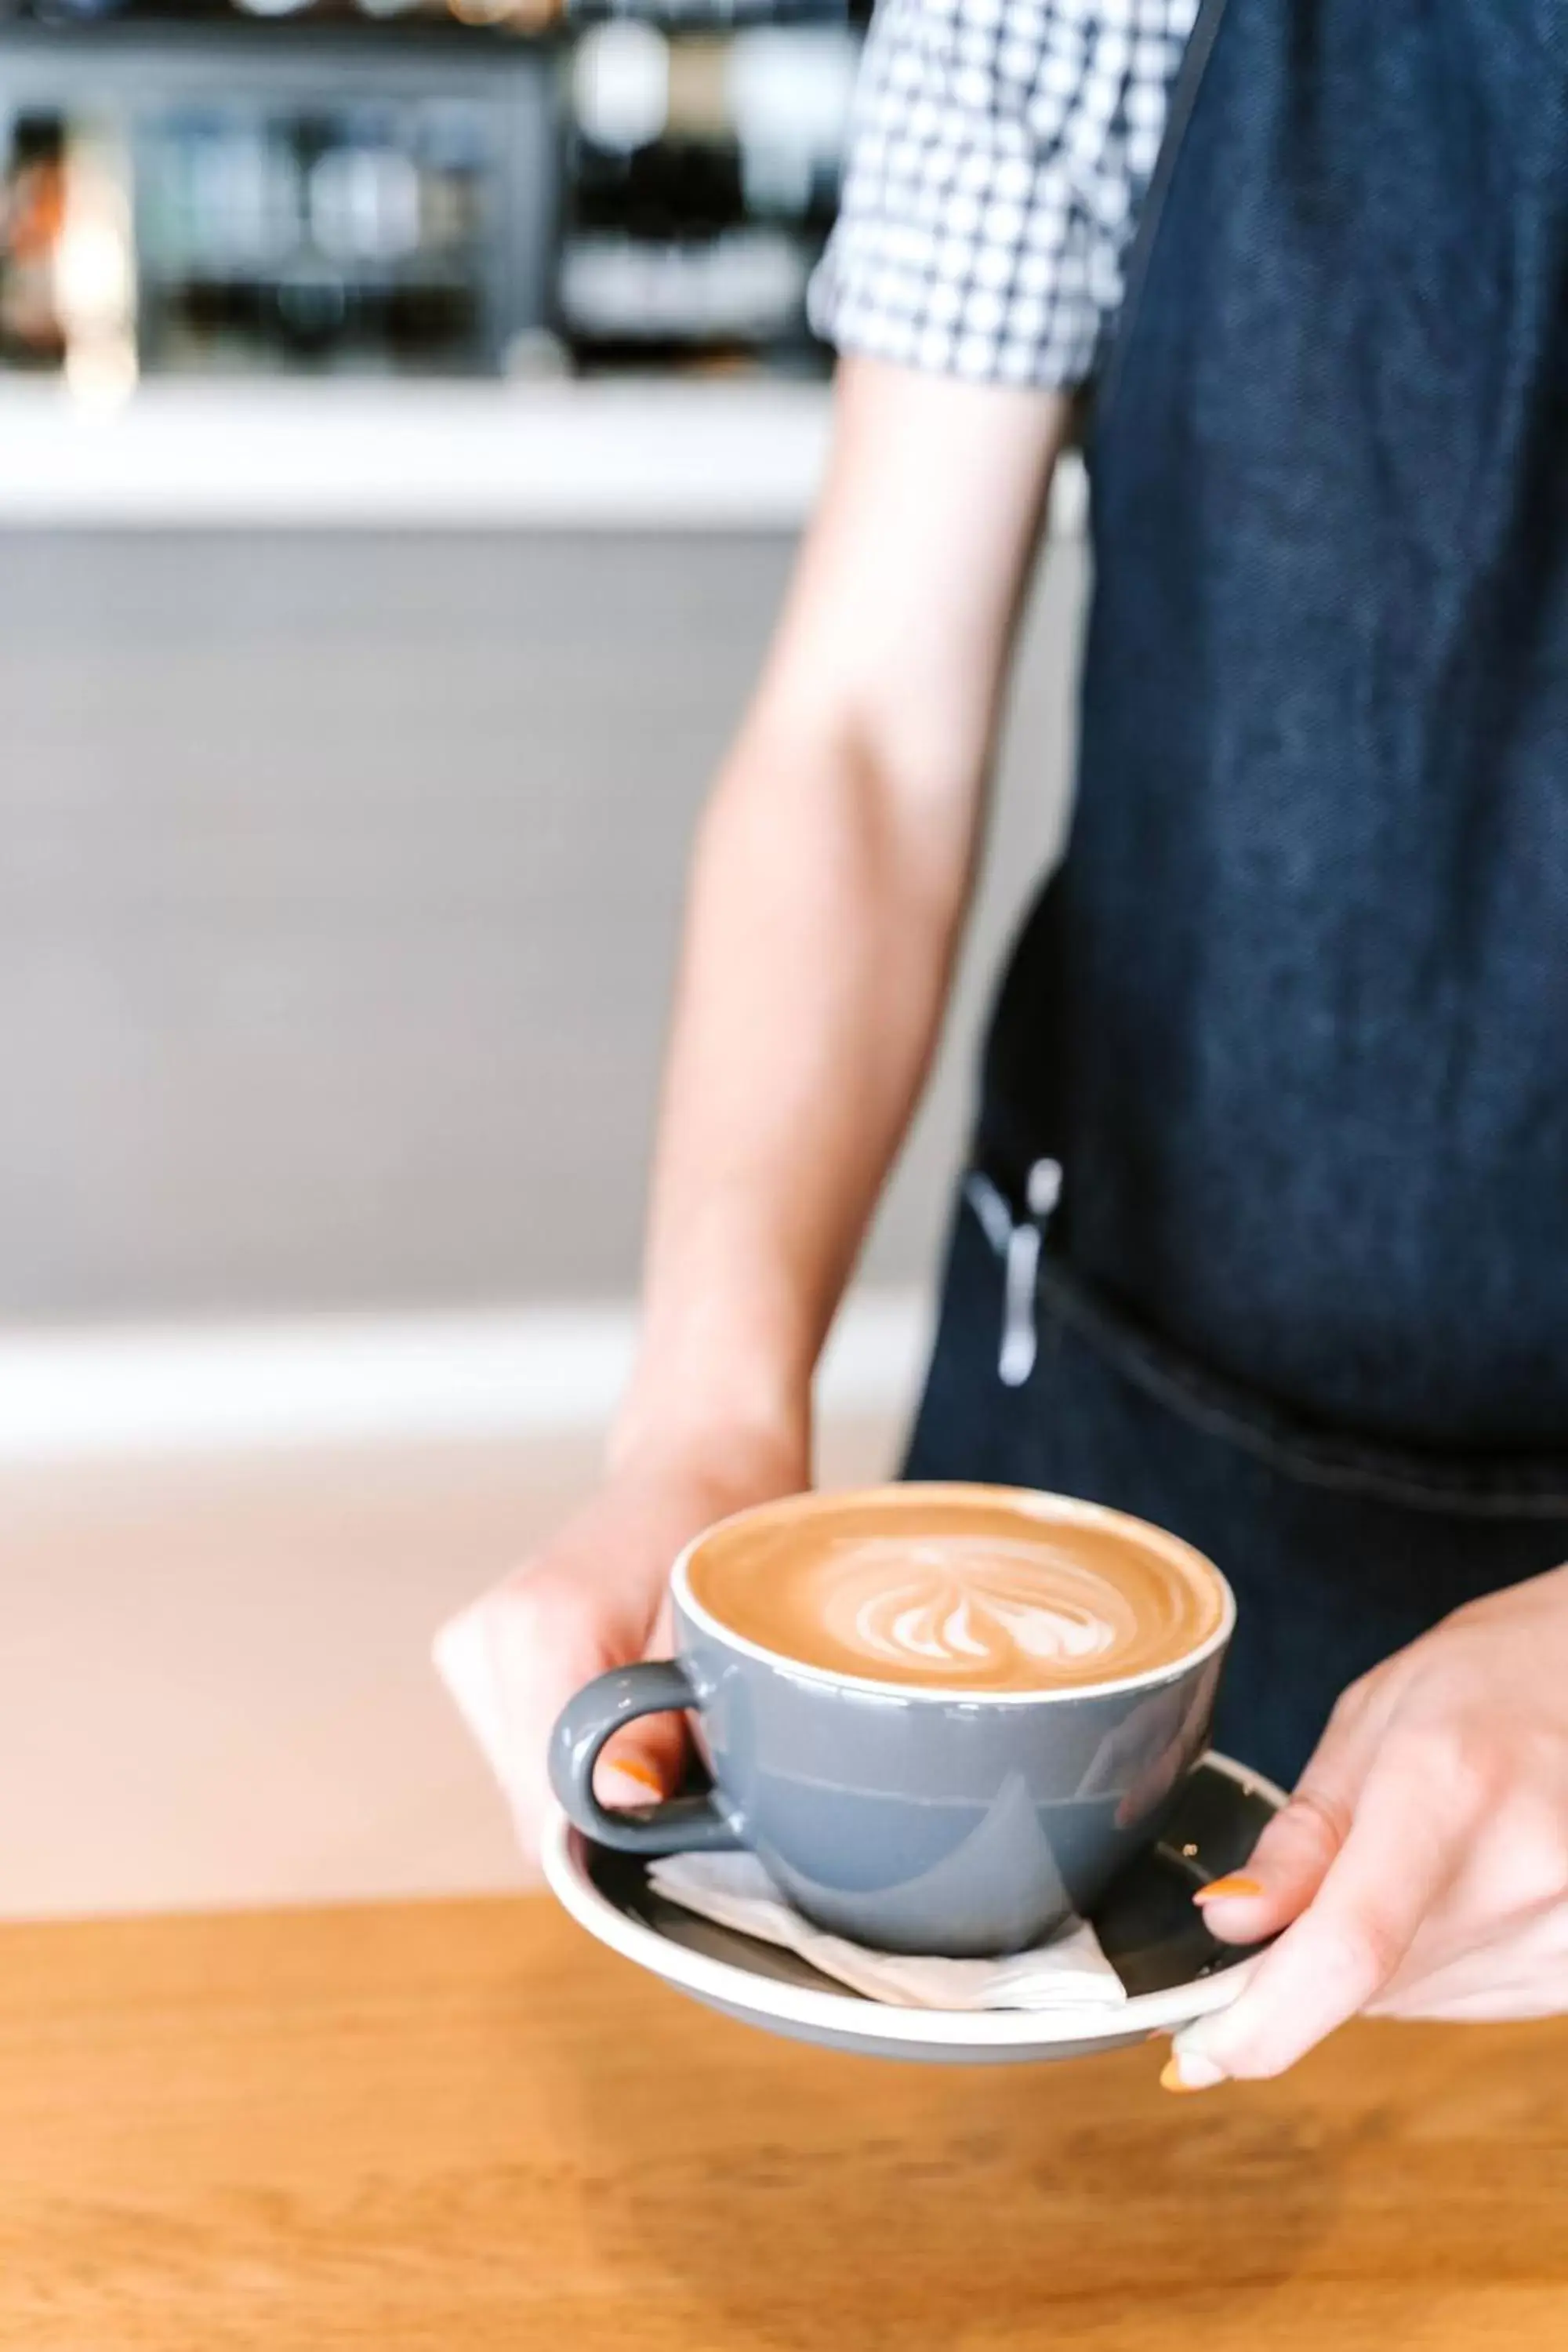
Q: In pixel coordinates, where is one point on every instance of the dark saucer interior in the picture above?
(1153, 1933)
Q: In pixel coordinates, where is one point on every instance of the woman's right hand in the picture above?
(592, 1598)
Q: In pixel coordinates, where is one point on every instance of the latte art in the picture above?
(960, 1589)
(966, 1605)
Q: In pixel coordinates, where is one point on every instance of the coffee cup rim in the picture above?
(1071, 1509)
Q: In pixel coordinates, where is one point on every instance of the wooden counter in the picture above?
(463, 2127)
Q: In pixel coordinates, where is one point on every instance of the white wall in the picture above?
(340, 876)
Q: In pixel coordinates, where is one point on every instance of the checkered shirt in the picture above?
(999, 152)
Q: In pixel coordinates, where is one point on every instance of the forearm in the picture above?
(820, 937)
(827, 892)
(831, 878)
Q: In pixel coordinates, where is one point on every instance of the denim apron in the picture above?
(1266, 1237)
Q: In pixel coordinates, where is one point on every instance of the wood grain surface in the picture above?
(463, 2125)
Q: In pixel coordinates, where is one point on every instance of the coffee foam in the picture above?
(989, 1593)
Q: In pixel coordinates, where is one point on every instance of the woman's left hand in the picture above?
(1421, 1869)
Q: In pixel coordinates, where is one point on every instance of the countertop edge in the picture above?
(562, 456)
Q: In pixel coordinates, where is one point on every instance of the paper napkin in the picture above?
(1068, 1971)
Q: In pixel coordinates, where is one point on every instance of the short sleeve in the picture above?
(999, 152)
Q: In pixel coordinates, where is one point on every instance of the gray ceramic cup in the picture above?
(910, 1818)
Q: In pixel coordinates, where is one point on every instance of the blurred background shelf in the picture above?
(344, 196)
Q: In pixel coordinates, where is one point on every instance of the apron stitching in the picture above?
(1293, 1457)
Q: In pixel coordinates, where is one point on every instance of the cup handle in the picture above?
(676, 1825)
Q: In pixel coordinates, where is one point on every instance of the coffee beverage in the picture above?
(942, 1716)
(995, 1590)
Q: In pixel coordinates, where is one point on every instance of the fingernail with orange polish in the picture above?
(1237, 1884)
(642, 1776)
(1188, 2071)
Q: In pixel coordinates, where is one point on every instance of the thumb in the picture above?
(1289, 1863)
(647, 1759)
(1395, 1865)
(1297, 1849)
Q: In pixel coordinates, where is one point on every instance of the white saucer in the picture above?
(1154, 1937)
